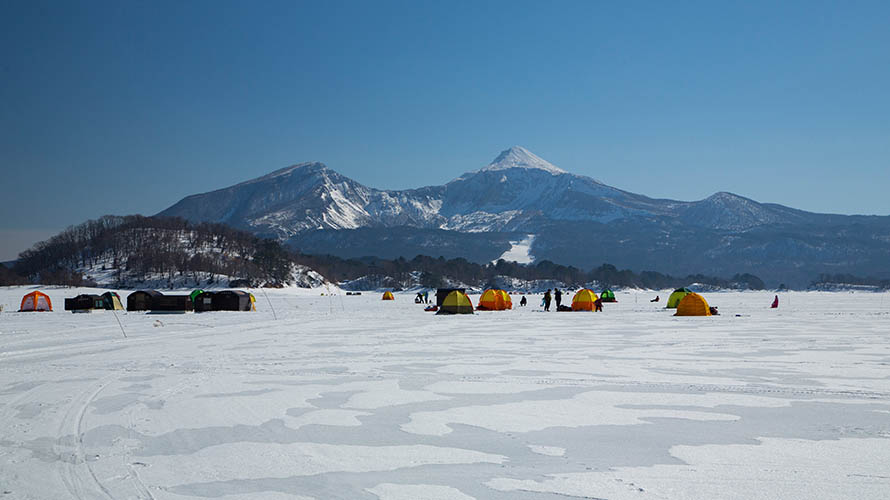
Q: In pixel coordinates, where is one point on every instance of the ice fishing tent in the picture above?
(676, 297)
(583, 300)
(142, 300)
(111, 301)
(227, 300)
(608, 296)
(693, 304)
(84, 302)
(171, 303)
(456, 302)
(494, 300)
(387, 295)
(203, 301)
(232, 300)
(36, 301)
(442, 293)
(507, 299)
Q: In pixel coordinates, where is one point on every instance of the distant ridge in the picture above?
(575, 219)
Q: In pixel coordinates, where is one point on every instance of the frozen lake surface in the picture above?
(350, 397)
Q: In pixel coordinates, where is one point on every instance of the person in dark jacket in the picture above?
(547, 300)
(522, 301)
(558, 296)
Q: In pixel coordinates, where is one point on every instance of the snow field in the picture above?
(351, 397)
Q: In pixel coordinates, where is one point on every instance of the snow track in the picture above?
(74, 466)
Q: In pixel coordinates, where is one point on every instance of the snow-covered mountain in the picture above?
(515, 192)
(518, 193)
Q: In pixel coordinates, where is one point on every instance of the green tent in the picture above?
(675, 297)
(608, 296)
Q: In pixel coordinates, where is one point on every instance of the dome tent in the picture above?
(456, 302)
(494, 300)
(583, 300)
(507, 299)
(36, 301)
(442, 293)
(693, 304)
(387, 295)
(608, 296)
(111, 301)
(676, 297)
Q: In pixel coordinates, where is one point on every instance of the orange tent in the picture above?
(495, 300)
(693, 305)
(36, 301)
(387, 295)
(583, 300)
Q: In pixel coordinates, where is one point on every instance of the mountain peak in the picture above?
(519, 157)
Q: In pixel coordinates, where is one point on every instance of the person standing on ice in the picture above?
(775, 303)
(547, 300)
(522, 301)
(558, 296)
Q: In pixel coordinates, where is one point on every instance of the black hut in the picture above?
(85, 302)
(172, 303)
(142, 300)
(227, 300)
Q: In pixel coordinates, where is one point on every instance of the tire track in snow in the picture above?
(75, 471)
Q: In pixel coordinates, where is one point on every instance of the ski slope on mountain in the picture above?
(349, 397)
(520, 251)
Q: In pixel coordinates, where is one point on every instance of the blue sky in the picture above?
(124, 107)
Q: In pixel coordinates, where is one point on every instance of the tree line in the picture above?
(137, 248)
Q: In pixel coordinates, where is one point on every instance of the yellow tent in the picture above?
(387, 295)
(583, 300)
(456, 302)
(495, 300)
(693, 304)
(112, 301)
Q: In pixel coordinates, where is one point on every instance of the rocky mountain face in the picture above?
(575, 219)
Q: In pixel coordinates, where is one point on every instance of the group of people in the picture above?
(549, 298)
(557, 296)
(422, 297)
